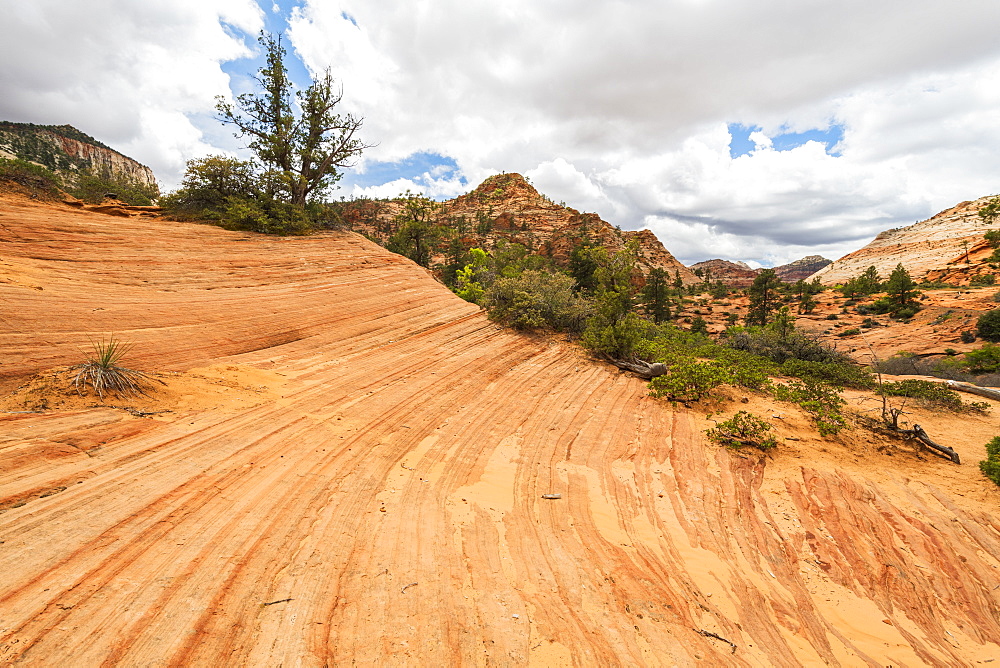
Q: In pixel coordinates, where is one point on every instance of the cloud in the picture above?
(859, 115)
(138, 76)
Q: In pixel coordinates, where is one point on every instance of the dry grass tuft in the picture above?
(104, 372)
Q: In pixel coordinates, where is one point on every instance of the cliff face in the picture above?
(65, 150)
(505, 207)
(948, 246)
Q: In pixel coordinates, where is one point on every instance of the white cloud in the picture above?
(620, 108)
(132, 74)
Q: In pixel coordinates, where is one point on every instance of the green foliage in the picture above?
(934, 394)
(655, 295)
(835, 373)
(983, 280)
(416, 229)
(990, 211)
(583, 262)
(988, 325)
(991, 465)
(699, 325)
(620, 339)
(91, 187)
(36, 179)
(778, 344)
(743, 429)
(210, 186)
(265, 216)
(764, 297)
(853, 331)
(689, 380)
(469, 284)
(103, 371)
(823, 402)
(901, 295)
(983, 360)
(536, 300)
(868, 283)
(301, 152)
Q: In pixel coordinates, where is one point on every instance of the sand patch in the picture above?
(226, 387)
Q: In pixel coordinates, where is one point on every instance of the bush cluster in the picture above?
(933, 394)
(743, 429)
(991, 465)
(36, 179)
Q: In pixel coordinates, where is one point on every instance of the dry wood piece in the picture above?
(551, 496)
(709, 634)
(642, 369)
(987, 392)
(918, 433)
(405, 587)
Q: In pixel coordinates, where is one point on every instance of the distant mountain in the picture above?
(947, 247)
(801, 269)
(506, 207)
(733, 274)
(66, 150)
(740, 275)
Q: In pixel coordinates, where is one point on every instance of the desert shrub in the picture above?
(92, 187)
(779, 346)
(699, 325)
(36, 179)
(104, 372)
(689, 380)
(983, 360)
(870, 322)
(821, 401)
(265, 217)
(838, 374)
(950, 352)
(853, 331)
(967, 336)
(746, 369)
(210, 186)
(983, 280)
(833, 316)
(991, 465)
(988, 325)
(996, 296)
(933, 394)
(536, 300)
(743, 429)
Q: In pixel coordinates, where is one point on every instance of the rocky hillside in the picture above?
(948, 246)
(733, 274)
(506, 207)
(801, 269)
(66, 150)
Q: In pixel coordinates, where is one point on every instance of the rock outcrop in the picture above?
(948, 245)
(65, 150)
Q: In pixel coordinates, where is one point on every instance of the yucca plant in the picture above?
(104, 373)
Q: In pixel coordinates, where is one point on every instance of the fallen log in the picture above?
(918, 433)
(640, 368)
(987, 392)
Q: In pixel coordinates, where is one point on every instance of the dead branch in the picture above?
(644, 370)
(973, 389)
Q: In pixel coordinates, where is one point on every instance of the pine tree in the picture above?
(764, 297)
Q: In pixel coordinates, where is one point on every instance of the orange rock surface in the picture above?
(352, 468)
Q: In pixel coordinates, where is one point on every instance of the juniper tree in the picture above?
(764, 297)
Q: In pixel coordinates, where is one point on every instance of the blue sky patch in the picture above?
(740, 143)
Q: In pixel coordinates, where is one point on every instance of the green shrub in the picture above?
(820, 400)
(92, 187)
(838, 374)
(988, 325)
(743, 429)
(833, 316)
(853, 331)
(536, 300)
(991, 465)
(934, 394)
(36, 179)
(967, 336)
(983, 360)
(689, 380)
(982, 280)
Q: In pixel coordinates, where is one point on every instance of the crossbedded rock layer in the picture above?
(386, 507)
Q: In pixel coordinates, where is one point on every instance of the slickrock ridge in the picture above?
(64, 149)
(380, 502)
(938, 246)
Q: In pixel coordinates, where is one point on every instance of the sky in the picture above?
(758, 131)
